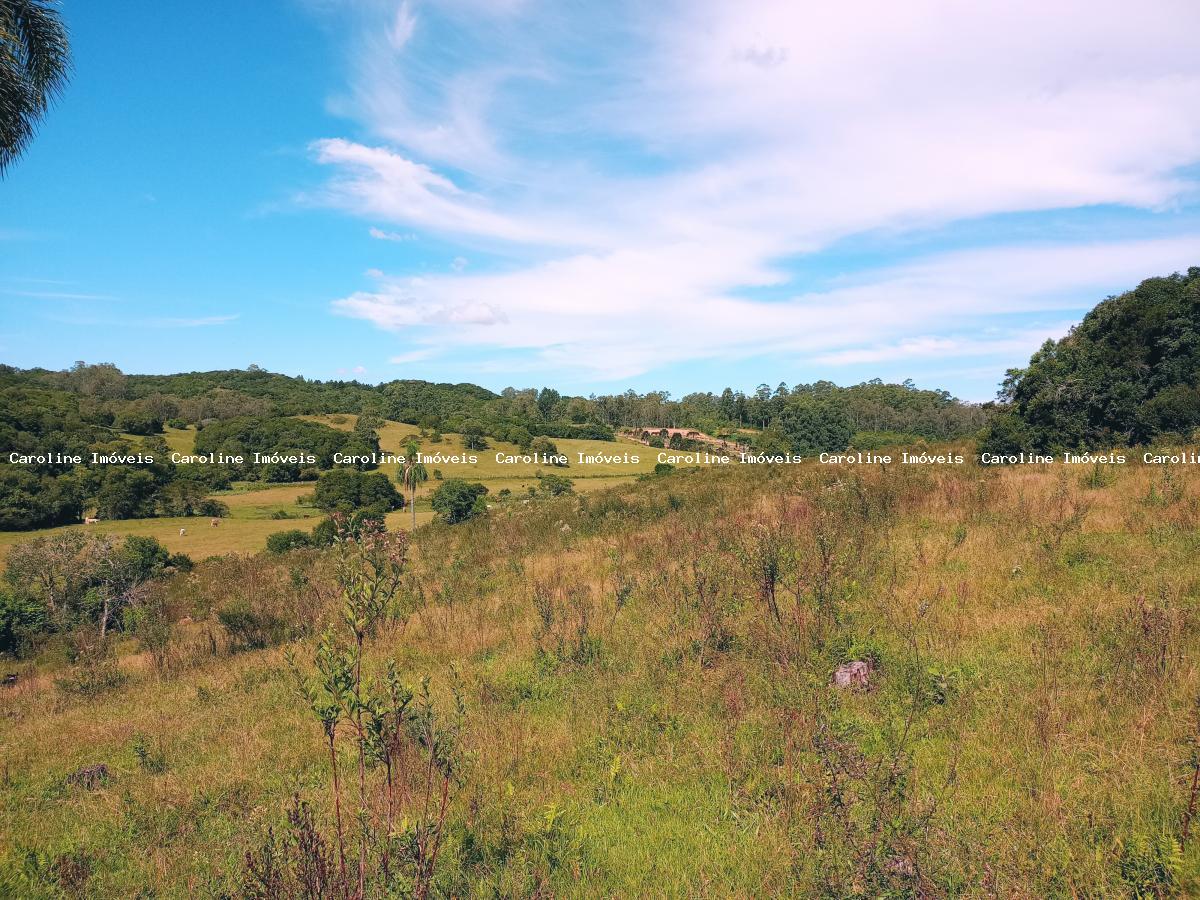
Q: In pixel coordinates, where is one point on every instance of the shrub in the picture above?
(151, 759)
(1150, 864)
(556, 485)
(22, 618)
(548, 450)
(348, 489)
(214, 509)
(94, 670)
(286, 541)
(250, 628)
(458, 500)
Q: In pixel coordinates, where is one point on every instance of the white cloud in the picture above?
(631, 313)
(752, 133)
(1017, 345)
(380, 235)
(403, 26)
(198, 322)
(410, 357)
(377, 182)
(57, 295)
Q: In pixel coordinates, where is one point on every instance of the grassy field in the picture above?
(395, 435)
(251, 505)
(645, 676)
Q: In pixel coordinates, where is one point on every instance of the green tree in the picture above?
(412, 474)
(126, 494)
(1125, 374)
(458, 500)
(35, 61)
(521, 437)
(472, 434)
(76, 576)
(556, 485)
(347, 490)
(813, 424)
(28, 500)
(772, 441)
(286, 541)
(22, 619)
(547, 449)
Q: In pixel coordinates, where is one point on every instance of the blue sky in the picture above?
(674, 196)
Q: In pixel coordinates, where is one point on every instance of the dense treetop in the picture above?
(1129, 373)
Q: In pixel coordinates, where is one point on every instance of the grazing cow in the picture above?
(90, 521)
(215, 523)
(182, 532)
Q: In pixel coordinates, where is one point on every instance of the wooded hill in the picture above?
(98, 408)
(1129, 373)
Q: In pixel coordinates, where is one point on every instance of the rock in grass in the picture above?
(856, 674)
(89, 777)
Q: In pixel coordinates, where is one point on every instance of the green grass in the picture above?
(639, 724)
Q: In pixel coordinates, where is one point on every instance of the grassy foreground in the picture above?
(645, 675)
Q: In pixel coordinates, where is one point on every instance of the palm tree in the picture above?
(412, 475)
(35, 59)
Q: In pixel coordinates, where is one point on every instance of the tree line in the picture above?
(98, 408)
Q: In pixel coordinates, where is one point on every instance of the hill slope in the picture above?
(644, 679)
(1129, 372)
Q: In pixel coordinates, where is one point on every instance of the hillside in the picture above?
(53, 424)
(634, 689)
(1129, 373)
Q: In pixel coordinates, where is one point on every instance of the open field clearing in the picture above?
(234, 535)
(394, 436)
(249, 523)
(252, 504)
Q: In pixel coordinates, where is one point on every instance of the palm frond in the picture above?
(35, 63)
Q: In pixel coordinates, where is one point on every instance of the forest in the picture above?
(97, 408)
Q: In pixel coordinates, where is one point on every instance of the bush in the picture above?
(1150, 863)
(878, 440)
(145, 556)
(546, 448)
(22, 618)
(458, 500)
(472, 435)
(348, 489)
(250, 628)
(94, 670)
(286, 541)
(214, 509)
(556, 485)
(28, 500)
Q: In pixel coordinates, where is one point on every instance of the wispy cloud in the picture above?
(633, 313)
(56, 295)
(198, 322)
(380, 235)
(410, 357)
(640, 187)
